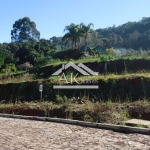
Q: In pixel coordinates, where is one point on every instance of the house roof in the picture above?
(99, 48)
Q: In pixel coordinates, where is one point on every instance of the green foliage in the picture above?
(124, 115)
(27, 47)
(88, 118)
(133, 35)
(76, 32)
(73, 34)
(29, 51)
(9, 68)
(24, 29)
(141, 126)
(2, 57)
(105, 57)
(129, 35)
(68, 55)
(86, 32)
(99, 118)
(59, 99)
(45, 60)
(109, 103)
(110, 51)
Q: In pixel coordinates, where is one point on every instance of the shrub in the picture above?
(59, 99)
(105, 57)
(9, 68)
(45, 60)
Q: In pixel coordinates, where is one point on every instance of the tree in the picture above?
(73, 34)
(86, 31)
(2, 57)
(23, 30)
(8, 53)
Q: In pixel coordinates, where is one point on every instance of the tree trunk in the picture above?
(72, 44)
(85, 44)
(75, 41)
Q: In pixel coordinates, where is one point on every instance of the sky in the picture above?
(51, 16)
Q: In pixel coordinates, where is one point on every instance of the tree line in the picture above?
(26, 45)
(131, 35)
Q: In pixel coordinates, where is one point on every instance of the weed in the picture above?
(99, 118)
(70, 115)
(141, 126)
(59, 99)
(140, 115)
(87, 118)
(109, 103)
(124, 115)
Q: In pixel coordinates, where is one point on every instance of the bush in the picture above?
(9, 68)
(59, 99)
(105, 57)
(45, 60)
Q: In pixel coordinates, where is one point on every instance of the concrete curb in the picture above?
(117, 128)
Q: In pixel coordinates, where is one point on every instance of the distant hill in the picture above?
(135, 35)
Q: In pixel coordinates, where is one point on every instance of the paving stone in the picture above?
(22, 134)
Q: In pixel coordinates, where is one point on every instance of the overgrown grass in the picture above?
(108, 112)
(21, 78)
(80, 79)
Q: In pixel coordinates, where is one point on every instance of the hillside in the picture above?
(130, 35)
(135, 35)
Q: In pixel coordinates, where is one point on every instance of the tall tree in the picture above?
(86, 31)
(73, 34)
(23, 30)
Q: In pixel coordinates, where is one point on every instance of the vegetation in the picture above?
(28, 61)
(129, 36)
(23, 30)
(130, 39)
(133, 35)
(100, 112)
(86, 32)
(2, 57)
(72, 35)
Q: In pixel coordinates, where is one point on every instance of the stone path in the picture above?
(17, 134)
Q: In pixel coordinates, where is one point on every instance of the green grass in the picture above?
(55, 79)
(97, 58)
(31, 77)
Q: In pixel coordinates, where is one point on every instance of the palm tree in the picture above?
(73, 34)
(86, 31)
